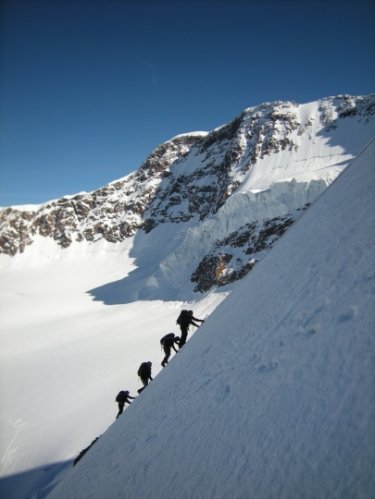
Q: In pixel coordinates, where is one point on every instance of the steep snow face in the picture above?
(273, 397)
(241, 232)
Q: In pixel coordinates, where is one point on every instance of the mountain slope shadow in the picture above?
(147, 281)
(36, 483)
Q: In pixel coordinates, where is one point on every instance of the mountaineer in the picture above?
(122, 398)
(185, 319)
(167, 342)
(144, 372)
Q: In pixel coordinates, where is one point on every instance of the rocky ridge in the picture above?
(189, 179)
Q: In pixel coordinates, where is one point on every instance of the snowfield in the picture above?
(273, 397)
(59, 380)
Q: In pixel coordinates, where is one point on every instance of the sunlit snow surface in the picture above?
(64, 356)
(273, 397)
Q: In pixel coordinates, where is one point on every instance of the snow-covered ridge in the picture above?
(270, 161)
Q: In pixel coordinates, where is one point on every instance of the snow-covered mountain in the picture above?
(274, 396)
(230, 193)
(178, 233)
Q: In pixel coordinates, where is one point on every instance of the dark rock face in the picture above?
(189, 177)
(212, 270)
(16, 235)
(220, 268)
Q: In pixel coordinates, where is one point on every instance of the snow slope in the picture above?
(273, 397)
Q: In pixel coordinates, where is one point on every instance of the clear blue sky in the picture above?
(89, 88)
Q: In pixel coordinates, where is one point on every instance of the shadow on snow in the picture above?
(36, 483)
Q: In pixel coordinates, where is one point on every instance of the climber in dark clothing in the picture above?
(167, 342)
(184, 320)
(144, 372)
(122, 398)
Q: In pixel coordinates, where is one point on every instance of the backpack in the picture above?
(183, 318)
(122, 396)
(167, 339)
(144, 370)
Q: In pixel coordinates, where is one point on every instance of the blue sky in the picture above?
(89, 88)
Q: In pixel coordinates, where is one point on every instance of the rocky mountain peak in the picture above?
(227, 177)
(160, 160)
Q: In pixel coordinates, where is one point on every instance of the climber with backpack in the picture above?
(122, 398)
(185, 319)
(167, 342)
(144, 372)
